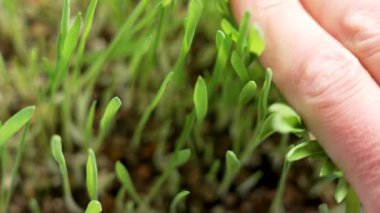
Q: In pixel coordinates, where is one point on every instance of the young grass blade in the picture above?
(177, 200)
(92, 175)
(224, 44)
(72, 38)
(56, 149)
(200, 99)
(230, 30)
(286, 120)
(89, 133)
(20, 151)
(277, 203)
(110, 113)
(341, 190)
(233, 163)
(352, 202)
(105, 122)
(242, 39)
(65, 19)
(195, 11)
(181, 157)
(15, 123)
(239, 67)
(263, 99)
(94, 207)
(220, 37)
(232, 168)
(247, 93)
(328, 169)
(140, 126)
(124, 177)
(256, 41)
(304, 150)
(89, 17)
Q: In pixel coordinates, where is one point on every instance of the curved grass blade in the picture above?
(124, 177)
(15, 123)
(195, 11)
(177, 200)
(304, 150)
(143, 121)
(247, 93)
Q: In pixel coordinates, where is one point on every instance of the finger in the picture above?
(327, 85)
(356, 24)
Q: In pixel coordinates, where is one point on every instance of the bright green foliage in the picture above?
(110, 113)
(282, 119)
(177, 200)
(341, 190)
(200, 99)
(232, 168)
(72, 38)
(15, 123)
(243, 32)
(352, 202)
(56, 149)
(229, 30)
(181, 157)
(92, 175)
(263, 99)
(303, 150)
(256, 41)
(239, 67)
(4, 201)
(195, 11)
(328, 169)
(124, 177)
(247, 93)
(94, 207)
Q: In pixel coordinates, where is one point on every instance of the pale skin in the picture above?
(325, 56)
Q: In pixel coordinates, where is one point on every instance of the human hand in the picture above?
(325, 56)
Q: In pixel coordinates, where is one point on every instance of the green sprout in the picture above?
(92, 175)
(200, 99)
(148, 112)
(56, 149)
(247, 93)
(8, 130)
(108, 116)
(232, 168)
(177, 200)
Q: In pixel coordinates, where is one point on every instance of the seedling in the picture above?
(148, 112)
(8, 130)
(108, 116)
(177, 200)
(92, 175)
(124, 177)
(200, 99)
(232, 168)
(247, 93)
(56, 149)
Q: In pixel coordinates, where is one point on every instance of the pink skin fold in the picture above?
(328, 85)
